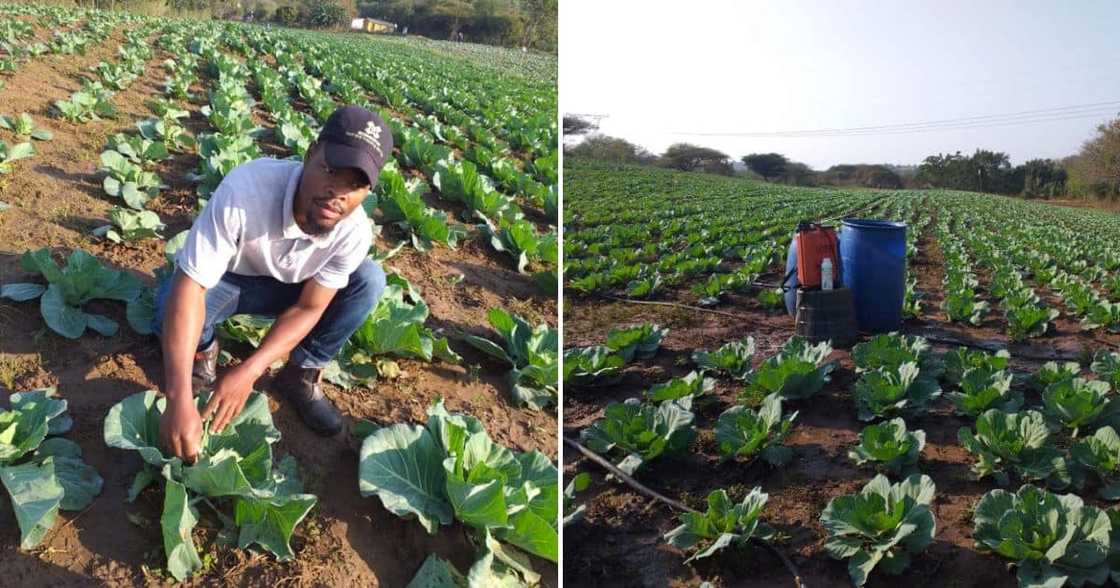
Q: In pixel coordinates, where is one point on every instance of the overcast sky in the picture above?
(658, 69)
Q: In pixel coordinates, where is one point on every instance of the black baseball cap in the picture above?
(355, 137)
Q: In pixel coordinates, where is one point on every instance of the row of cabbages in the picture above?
(1052, 538)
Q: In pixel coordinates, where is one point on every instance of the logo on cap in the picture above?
(370, 135)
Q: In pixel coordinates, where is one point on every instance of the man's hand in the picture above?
(229, 397)
(180, 429)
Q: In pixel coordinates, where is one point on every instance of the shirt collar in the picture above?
(291, 229)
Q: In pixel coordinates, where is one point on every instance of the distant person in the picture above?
(404, 31)
(280, 238)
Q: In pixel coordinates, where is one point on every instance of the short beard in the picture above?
(317, 228)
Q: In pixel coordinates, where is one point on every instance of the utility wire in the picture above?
(981, 121)
(1010, 123)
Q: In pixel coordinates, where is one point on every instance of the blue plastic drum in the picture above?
(874, 256)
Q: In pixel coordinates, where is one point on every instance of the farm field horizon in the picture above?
(136, 121)
(986, 274)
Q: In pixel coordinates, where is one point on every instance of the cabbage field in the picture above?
(977, 446)
(114, 131)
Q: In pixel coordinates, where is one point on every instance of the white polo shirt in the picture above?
(248, 228)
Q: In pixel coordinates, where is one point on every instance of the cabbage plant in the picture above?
(891, 350)
(1098, 457)
(636, 342)
(1029, 320)
(395, 328)
(533, 353)
(517, 237)
(981, 389)
(732, 359)
(573, 513)
(797, 371)
(257, 499)
(635, 433)
(961, 305)
(882, 526)
(42, 473)
(1107, 367)
(692, 385)
(9, 155)
(69, 288)
(597, 365)
(129, 180)
(961, 359)
(1052, 372)
(724, 524)
(601, 365)
(1076, 403)
(130, 225)
(138, 149)
(886, 392)
(85, 105)
(889, 446)
(24, 126)
(742, 432)
(451, 470)
(402, 203)
(1013, 443)
(1102, 314)
(1052, 539)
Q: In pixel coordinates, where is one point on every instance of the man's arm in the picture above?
(181, 426)
(289, 329)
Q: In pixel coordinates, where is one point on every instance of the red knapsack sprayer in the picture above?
(816, 243)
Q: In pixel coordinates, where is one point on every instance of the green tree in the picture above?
(798, 174)
(326, 14)
(454, 14)
(540, 28)
(767, 165)
(1095, 170)
(613, 149)
(1044, 178)
(689, 157)
(577, 125)
(993, 170)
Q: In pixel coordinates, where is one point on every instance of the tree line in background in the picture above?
(510, 23)
(1094, 172)
(513, 23)
(318, 14)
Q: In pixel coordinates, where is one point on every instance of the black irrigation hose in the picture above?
(610, 467)
(678, 305)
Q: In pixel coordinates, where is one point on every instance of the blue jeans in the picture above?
(267, 296)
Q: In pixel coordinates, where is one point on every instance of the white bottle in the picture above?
(826, 274)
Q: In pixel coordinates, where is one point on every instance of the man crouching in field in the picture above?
(278, 238)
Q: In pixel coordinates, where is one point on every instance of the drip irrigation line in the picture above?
(947, 339)
(682, 306)
(621, 475)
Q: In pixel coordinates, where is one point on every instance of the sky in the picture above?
(660, 71)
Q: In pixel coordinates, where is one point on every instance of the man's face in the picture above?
(326, 195)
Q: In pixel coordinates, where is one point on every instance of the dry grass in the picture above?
(12, 367)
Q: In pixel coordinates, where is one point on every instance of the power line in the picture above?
(981, 121)
(977, 125)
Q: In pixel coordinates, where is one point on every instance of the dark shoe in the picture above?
(205, 369)
(300, 386)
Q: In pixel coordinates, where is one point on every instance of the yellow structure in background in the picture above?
(372, 25)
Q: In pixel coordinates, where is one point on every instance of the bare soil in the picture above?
(56, 199)
(619, 542)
